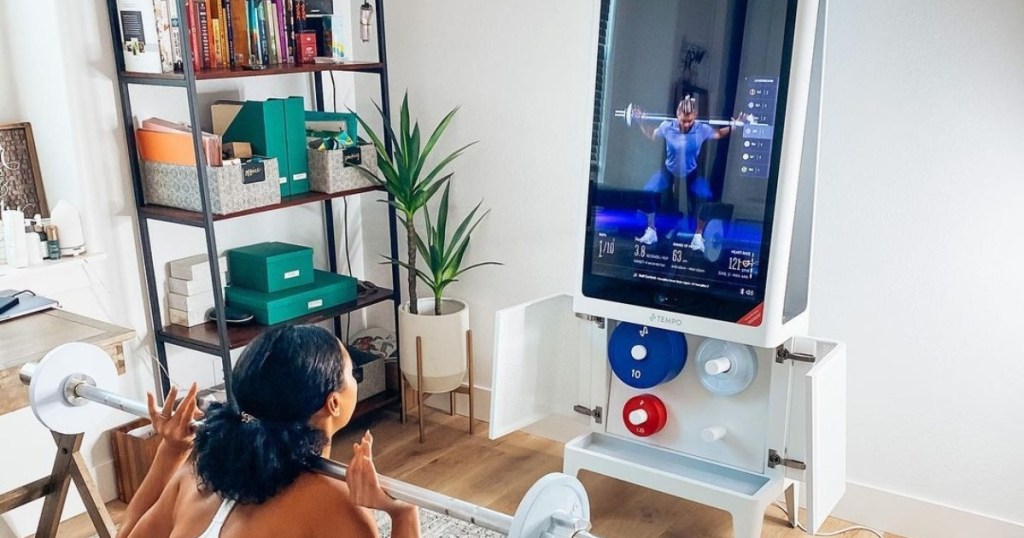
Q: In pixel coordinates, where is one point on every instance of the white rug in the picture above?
(434, 525)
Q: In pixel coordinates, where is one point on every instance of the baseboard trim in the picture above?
(909, 516)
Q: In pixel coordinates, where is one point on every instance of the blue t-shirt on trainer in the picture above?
(682, 149)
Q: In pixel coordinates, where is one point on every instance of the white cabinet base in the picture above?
(743, 494)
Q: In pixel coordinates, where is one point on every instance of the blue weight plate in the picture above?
(644, 357)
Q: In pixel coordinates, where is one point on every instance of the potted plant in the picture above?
(403, 175)
(440, 323)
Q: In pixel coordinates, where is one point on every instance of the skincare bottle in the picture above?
(53, 242)
(37, 227)
(35, 256)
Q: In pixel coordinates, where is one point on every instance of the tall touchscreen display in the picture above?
(687, 137)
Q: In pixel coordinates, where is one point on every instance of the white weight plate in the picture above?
(741, 373)
(46, 391)
(714, 239)
(552, 493)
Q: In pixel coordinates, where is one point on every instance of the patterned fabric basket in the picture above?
(337, 170)
(231, 189)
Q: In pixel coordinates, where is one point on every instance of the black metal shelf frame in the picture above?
(205, 218)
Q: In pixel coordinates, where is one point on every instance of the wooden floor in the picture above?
(496, 474)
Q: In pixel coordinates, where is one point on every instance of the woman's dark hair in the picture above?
(253, 448)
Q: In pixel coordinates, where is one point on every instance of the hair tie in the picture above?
(247, 418)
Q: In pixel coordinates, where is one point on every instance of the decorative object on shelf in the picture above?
(21, 184)
(67, 219)
(337, 170)
(233, 188)
(190, 289)
(365, 19)
(139, 39)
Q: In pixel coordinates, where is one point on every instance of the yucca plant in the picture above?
(403, 175)
(444, 257)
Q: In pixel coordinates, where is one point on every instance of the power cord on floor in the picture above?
(833, 533)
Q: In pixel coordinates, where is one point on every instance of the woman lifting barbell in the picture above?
(251, 462)
(684, 138)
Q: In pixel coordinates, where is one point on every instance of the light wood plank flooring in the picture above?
(497, 474)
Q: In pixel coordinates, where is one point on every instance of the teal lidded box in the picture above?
(271, 267)
(327, 291)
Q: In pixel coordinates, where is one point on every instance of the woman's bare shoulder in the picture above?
(327, 500)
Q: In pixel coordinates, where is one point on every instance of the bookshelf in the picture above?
(218, 338)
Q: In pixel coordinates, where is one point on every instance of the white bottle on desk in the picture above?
(32, 244)
(15, 239)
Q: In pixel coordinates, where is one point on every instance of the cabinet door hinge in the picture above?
(587, 317)
(596, 412)
(774, 460)
(782, 355)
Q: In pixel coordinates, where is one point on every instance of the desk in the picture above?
(29, 338)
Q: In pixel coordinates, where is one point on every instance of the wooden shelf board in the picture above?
(195, 218)
(176, 79)
(205, 335)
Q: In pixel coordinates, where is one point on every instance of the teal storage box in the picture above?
(271, 267)
(327, 291)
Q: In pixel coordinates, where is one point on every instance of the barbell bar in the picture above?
(627, 114)
(66, 383)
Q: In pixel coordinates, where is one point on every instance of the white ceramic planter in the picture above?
(444, 343)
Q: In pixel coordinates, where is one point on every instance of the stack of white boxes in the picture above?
(190, 289)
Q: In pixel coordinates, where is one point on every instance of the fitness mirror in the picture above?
(687, 136)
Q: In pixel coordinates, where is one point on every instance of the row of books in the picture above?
(223, 34)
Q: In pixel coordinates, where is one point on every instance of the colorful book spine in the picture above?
(271, 21)
(163, 34)
(194, 34)
(255, 51)
(289, 21)
(215, 47)
(282, 33)
(228, 16)
(176, 25)
(204, 35)
(261, 24)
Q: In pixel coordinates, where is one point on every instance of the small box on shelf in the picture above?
(327, 291)
(195, 286)
(233, 188)
(194, 267)
(337, 170)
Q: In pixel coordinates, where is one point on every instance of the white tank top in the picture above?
(213, 531)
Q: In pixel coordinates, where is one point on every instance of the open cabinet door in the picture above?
(539, 369)
(825, 384)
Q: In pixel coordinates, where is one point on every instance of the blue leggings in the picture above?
(698, 191)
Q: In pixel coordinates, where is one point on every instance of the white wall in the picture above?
(920, 201)
(917, 256)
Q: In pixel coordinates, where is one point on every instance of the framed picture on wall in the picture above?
(21, 184)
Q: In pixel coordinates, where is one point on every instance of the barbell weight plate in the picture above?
(714, 239)
(553, 493)
(46, 391)
(742, 367)
(664, 355)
